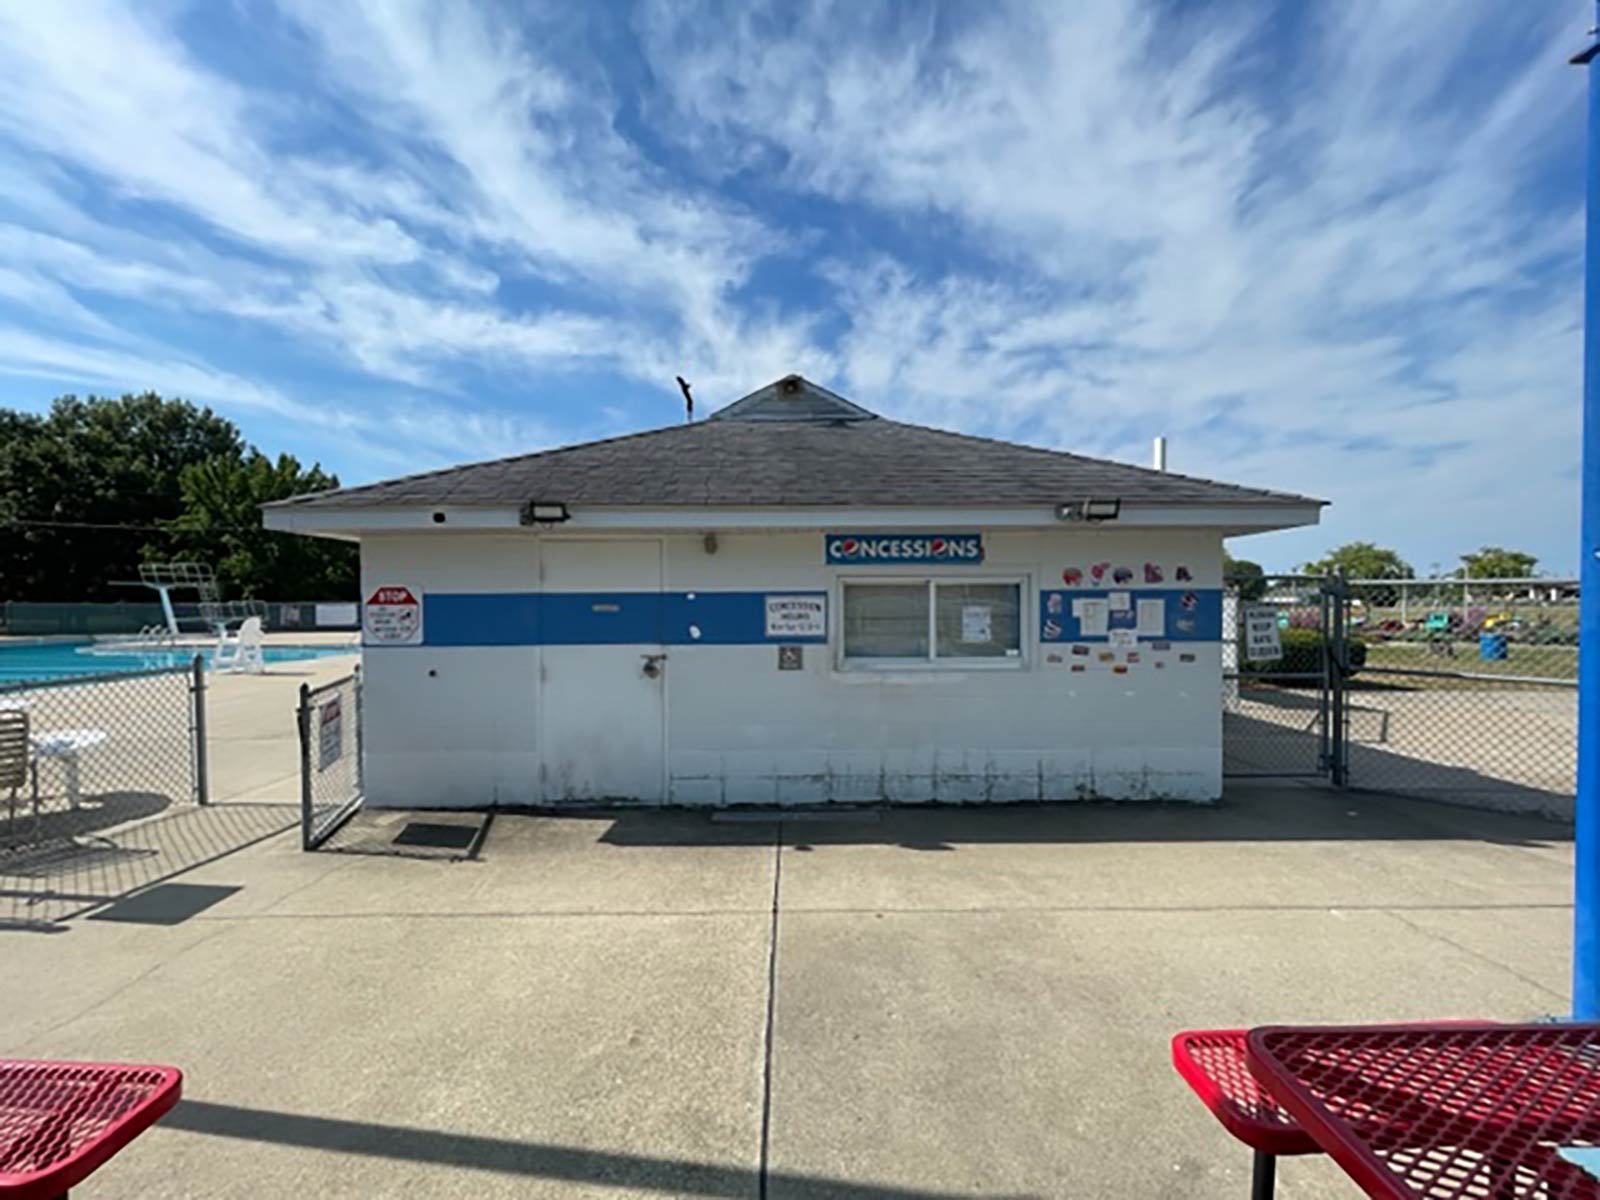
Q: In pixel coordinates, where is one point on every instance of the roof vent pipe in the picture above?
(1158, 458)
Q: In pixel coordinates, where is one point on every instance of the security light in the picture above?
(1089, 510)
(540, 512)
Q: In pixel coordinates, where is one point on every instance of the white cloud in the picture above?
(1333, 278)
(1342, 260)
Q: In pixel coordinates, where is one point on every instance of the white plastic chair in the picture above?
(242, 651)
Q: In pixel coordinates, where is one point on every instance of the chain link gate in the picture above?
(1285, 666)
(331, 779)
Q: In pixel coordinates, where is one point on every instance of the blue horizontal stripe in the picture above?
(510, 619)
(601, 618)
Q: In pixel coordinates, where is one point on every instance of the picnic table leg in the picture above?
(1263, 1176)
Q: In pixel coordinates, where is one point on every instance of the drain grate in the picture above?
(436, 836)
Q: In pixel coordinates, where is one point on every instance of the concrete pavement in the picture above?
(884, 1006)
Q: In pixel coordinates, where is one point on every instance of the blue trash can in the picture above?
(1492, 647)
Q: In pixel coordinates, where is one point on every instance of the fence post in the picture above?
(1338, 673)
(303, 720)
(361, 758)
(1325, 695)
(202, 766)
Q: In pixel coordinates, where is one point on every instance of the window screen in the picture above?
(964, 620)
(886, 620)
(978, 620)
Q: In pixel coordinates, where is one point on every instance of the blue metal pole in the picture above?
(1586, 874)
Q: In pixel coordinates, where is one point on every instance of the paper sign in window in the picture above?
(977, 624)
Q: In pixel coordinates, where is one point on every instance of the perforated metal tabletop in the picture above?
(1477, 1111)
(60, 1121)
(1212, 1063)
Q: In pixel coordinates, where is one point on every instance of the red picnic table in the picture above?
(1473, 1110)
(60, 1121)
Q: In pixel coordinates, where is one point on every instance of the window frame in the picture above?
(933, 662)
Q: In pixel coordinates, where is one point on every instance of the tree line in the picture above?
(96, 486)
(1365, 560)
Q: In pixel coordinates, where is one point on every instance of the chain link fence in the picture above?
(1277, 696)
(28, 618)
(82, 755)
(1467, 690)
(1452, 689)
(329, 720)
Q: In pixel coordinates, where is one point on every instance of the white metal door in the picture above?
(604, 672)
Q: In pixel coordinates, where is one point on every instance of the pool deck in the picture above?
(250, 724)
(901, 1005)
(896, 1005)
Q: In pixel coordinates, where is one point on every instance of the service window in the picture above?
(905, 622)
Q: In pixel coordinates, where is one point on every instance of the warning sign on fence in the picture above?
(392, 616)
(1261, 640)
(330, 734)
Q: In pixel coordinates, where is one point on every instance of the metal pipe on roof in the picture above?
(1159, 457)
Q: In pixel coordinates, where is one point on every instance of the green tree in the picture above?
(1361, 560)
(221, 524)
(85, 487)
(1252, 580)
(1496, 562)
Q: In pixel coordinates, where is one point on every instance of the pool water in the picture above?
(64, 660)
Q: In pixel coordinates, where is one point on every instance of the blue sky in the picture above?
(1332, 248)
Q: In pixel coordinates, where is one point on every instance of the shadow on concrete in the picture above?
(1516, 772)
(42, 887)
(24, 832)
(542, 1160)
(1250, 811)
(165, 904)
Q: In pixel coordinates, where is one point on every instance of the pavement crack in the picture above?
(772, 1006)
(1477, 954)
(35, 1037)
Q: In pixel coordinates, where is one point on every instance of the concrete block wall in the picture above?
(544, 722)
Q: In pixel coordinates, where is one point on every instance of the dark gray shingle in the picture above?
(755, 458)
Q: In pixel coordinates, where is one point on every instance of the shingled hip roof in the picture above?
(794, 443)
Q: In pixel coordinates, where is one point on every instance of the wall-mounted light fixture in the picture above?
(1089, 510)
(542, 512)
(710, 543)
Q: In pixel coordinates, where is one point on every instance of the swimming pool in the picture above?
(28, 661)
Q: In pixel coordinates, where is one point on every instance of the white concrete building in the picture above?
(793, 602)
